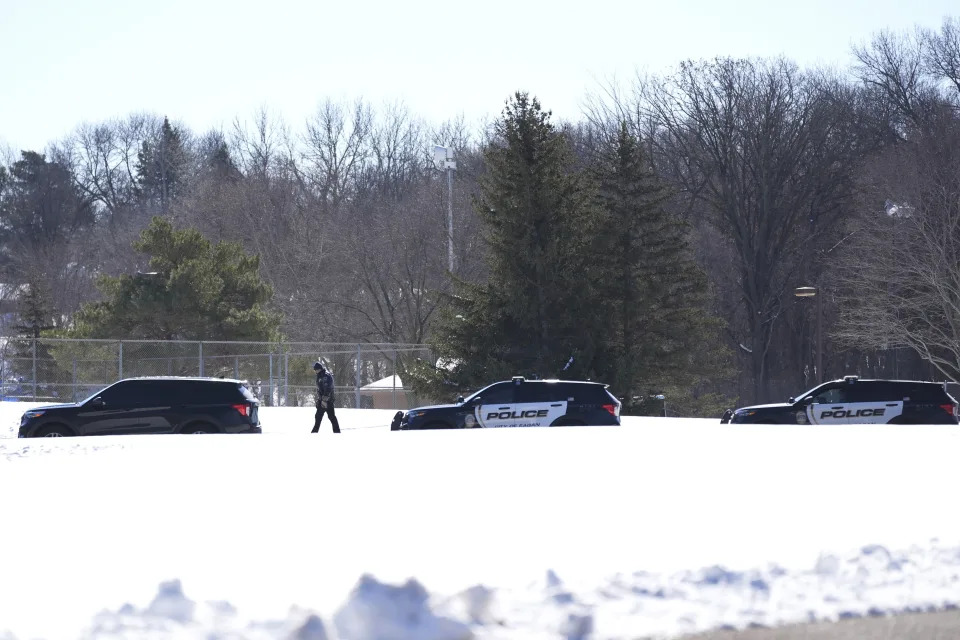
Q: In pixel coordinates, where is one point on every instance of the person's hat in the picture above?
(317, 366)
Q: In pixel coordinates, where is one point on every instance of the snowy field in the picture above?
(659, 528)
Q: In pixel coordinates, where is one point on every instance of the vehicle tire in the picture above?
(55, 431)
(564, 422)
(199, 427)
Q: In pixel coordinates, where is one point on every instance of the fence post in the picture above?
(393, 380)
(356, 388)
(73, 385)
(286, 377)
(270, 381)
(120, 361)
(236, 367)
(200, 344)
(35, 369)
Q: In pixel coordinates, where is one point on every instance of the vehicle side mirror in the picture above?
(791, 400)
(96, 403)
(459, 399)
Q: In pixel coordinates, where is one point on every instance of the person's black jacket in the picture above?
(325, 385)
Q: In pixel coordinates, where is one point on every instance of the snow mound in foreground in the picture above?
(870, 581)
(376, 610)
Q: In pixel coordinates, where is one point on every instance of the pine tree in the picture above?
(41, 205)
(32, 357)
(195, 291)
(662, 333)
(161, 167)
(35, 313)
(539, 306)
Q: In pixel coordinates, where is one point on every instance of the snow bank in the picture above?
(660, 528)
(871, 581)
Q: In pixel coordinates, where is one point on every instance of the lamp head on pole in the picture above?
(443, 158)
(805, 292)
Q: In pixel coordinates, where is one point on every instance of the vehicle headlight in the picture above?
(415, 414)
(30, 415)
(743, 413)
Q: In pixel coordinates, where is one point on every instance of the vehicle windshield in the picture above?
(477, 394)
(809, 393)
(94, 395)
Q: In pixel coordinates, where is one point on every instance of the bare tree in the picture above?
(942, 54)
(902, 288)
(400, 151)
(902, 276)
(764, 150)
(104, 159)
(260, 148)
(336, 146)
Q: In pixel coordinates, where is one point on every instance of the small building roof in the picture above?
(390, 382)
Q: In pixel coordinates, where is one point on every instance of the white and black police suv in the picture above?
(519, 403)
(855, 401)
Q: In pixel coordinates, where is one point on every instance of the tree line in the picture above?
(655, 244)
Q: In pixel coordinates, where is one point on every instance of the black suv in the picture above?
(151, 405)
(519, 403)
(855, 401)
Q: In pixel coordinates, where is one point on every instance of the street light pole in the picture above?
(814, 292)
(820, 376)
(443, 157)
(450, 216)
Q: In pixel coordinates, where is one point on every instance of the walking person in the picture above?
(325, 389)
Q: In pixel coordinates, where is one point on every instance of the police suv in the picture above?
(855, 401)
(519, 403)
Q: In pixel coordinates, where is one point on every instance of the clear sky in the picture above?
(205, 62)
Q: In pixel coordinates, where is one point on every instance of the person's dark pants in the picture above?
(318, 418)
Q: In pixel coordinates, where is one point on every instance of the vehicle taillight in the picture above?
(949, 408)
(242, 409)
(612, 408)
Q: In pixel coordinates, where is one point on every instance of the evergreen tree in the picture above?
(195, 291)
(41, 205)
(663, 337)
(161, 167)
(35, 312)
(219, 162)
(32, 357)
(539, 306)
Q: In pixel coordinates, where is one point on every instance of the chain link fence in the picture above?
(280, 374)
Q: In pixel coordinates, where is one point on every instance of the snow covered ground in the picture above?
(658, 528)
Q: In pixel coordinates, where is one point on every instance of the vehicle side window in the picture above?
(540, 392)
(925, 393)
(199, 392)
(833, 395)
(868, 392)
(587, 393)
(527, 392)
(500, 393)
(219, 392)
(182, 392)
(129, 393)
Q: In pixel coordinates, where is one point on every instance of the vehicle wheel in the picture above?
(199, 427)
(54, 431)
(563, 422)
